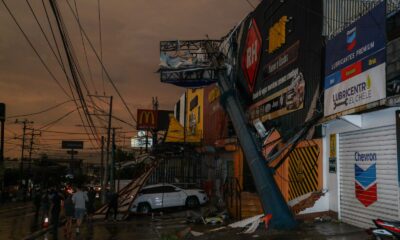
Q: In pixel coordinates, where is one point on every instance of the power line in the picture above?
(33, 48)
(48, 125)
(84, 50)
(248, 1)
(102, 65)
(40, 112)
(73, 65)
(44, 34)
(61, 132)
(101, 44)
(62, 63)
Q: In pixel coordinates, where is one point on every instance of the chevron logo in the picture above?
(366, 184)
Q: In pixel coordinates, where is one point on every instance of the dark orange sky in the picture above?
(131, 32)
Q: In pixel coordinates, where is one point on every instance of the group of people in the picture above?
(49, 204)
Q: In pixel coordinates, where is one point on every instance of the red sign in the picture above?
(251, 54)
(146, 119)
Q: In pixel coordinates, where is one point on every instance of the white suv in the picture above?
(167, 195)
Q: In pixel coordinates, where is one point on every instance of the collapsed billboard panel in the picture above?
(288, 80)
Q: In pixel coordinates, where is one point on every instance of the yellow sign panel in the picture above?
(277, 34)
(332, 146)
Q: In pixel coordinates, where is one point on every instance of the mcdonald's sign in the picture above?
(146, 119)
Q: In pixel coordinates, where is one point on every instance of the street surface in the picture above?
(17, 222)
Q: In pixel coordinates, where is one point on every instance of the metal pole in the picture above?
(30, 150)
(106, 171)
(147, 140)
(102, 169)
(112, 171)
(23, 148)
(2, 143)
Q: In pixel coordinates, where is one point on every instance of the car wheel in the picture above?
(192, 202)
(144, 208)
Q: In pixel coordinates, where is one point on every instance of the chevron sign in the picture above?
(365, 178)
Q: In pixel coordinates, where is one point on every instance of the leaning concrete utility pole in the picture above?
(271, 197)
(224, 62)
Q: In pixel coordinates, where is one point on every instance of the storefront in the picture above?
(361, 164)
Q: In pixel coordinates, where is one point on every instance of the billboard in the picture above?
(288, 79)
(355, 66)
(72, 144)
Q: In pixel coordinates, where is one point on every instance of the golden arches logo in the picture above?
(146, 119)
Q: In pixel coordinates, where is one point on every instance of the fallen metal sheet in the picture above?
(127, 195)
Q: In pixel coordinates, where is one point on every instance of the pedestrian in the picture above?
(55, 209)
(90, 203)
(37, 195)
(69, 214)
(79, 198)
(113, 205)
(44, 206)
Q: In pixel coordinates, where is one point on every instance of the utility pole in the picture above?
(155, 108)
(106, 172)
(33, 134)
(24, 123)
(2, 120)
(105, 177)
(112, 170)
(102, 167)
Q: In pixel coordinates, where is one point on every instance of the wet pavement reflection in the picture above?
(18, 221)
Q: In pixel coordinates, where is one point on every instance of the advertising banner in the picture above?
(280, 103)
(355, 66)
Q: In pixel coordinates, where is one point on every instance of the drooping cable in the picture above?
(73, 67)
(40, 112)
(84, 50)
(34, 49)
(108, 77)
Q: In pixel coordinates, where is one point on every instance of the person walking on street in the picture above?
(36, 201)
(113, 205)
(79, 198)
(69, 214)
(44, 206)
(55, 209)
(90, 203)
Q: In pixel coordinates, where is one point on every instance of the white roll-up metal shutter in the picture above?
(374, 191)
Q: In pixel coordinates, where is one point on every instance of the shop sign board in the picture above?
(146, 119)
(252, 54)
(355, 64)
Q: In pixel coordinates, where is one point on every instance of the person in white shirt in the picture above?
(79, 199)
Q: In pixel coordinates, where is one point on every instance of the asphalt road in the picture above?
(17, 221)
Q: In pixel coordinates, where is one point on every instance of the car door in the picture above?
(153, 196)
(171, 197)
